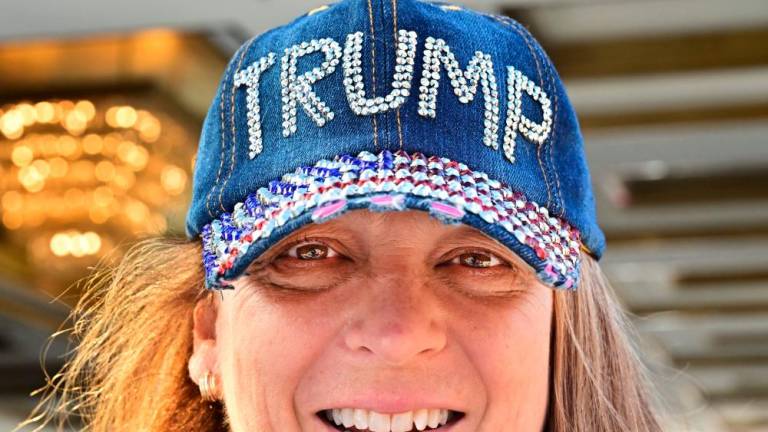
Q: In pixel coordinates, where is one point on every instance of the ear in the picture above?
(204, 356)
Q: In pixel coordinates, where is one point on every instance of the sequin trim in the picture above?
(383, 181)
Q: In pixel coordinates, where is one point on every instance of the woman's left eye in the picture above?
(477, 259)
(311, 251)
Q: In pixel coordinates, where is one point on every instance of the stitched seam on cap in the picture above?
(553, 133)
(373, 75)
(385, 64)
(395, 36)
(554, 116)
(532, 52)
(232, 124)
(554, 140)
(221, 141)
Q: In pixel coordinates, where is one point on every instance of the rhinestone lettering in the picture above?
(249, 77)
(516, 121)
(298, 88)
(464, 83)
(401, 81)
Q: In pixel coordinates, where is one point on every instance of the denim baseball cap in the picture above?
(393, 105)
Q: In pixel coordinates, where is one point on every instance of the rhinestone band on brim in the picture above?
(447, 189)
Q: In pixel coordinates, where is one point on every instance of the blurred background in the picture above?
(101, 104)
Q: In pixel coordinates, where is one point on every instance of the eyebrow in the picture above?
(330, 229)
(464, 233)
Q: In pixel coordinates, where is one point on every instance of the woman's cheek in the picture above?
(266, 350)
(509, 345)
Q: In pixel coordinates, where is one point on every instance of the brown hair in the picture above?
(133, 327)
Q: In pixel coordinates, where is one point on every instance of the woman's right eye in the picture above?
(311, 251)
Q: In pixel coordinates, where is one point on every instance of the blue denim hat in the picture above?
(393, 105)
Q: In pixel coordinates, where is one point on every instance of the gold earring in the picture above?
(208, 387)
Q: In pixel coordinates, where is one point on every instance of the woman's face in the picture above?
(392, 312)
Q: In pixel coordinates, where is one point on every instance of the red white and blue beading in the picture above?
(384, 181)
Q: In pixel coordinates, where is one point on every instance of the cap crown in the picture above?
(372, 75)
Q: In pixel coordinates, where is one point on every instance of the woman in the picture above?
(390, 253)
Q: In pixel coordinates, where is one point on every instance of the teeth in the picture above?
(402, 422)
(420, 419)
(347, 417)
(434, 418)
(378, 422)
(361, 418)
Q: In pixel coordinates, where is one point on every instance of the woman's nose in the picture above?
(397, 323)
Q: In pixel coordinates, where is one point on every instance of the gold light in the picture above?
(67, 146)
(173, 179)
(12, 201)
(92, 144)
(12, 124)
(104, 171)
(100, 167)
(136, 211)
(75, 122)
(59, 167)
(148, 126)
(45, 112)
(121, 117)
(12, 220)
(75, 243)
(60, 244)
(86, 108)
(28, 113)
(42, 167)
(31, 178)
(21, 155)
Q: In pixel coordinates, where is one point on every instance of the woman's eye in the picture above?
(311, 251)
(477, 260)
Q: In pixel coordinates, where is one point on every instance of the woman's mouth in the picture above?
(362, 420)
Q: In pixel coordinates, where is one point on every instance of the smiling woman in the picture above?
(368, 314)
(376, 269)
(380, 314)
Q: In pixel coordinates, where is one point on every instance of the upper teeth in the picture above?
(377, 422)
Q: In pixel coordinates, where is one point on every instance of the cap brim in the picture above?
(448, 190)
